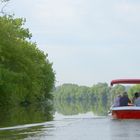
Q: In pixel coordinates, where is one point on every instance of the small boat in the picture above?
(125, 112)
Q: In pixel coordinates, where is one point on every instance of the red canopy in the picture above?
(125, 81)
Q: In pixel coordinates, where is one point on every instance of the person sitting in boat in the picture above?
(136, 95)
(124, 100)
(117, 101)
(137, 100)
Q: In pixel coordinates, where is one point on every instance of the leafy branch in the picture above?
(3, 4)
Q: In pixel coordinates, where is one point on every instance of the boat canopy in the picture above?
(125, 81)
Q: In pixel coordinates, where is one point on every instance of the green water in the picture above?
(40, 123)
(13, 116)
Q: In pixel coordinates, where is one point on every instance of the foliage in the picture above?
(3, 4)
(133, 89)
(26, 75)
(72, 91)
(70, 99)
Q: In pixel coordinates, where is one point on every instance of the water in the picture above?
(85, 126)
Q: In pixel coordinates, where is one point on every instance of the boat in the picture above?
(125, 112)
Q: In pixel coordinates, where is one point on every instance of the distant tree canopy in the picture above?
(71, 92)
(71, 98)
(26, 75)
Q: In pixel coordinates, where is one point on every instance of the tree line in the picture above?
(73, 99)
(26, 75)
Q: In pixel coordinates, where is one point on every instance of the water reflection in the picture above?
(75, 107)
(35, 123)
(75, 127)
(22, 122)
(17, 134)
(12, 116)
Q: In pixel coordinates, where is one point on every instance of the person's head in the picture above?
(136, 94)
(124, 94)
(119, 95)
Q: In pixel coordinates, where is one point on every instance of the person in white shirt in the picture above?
(137, 100)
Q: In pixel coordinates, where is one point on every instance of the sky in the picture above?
(88, 41)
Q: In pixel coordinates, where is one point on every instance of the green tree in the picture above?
(133, 89)
(26, 75)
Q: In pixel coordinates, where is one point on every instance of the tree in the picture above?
(26, 75)
(3, 5)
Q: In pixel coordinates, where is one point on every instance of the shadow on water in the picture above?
(14, 120)
(36, 121)
(17, 134)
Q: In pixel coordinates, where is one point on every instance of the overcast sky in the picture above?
(88, 41)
